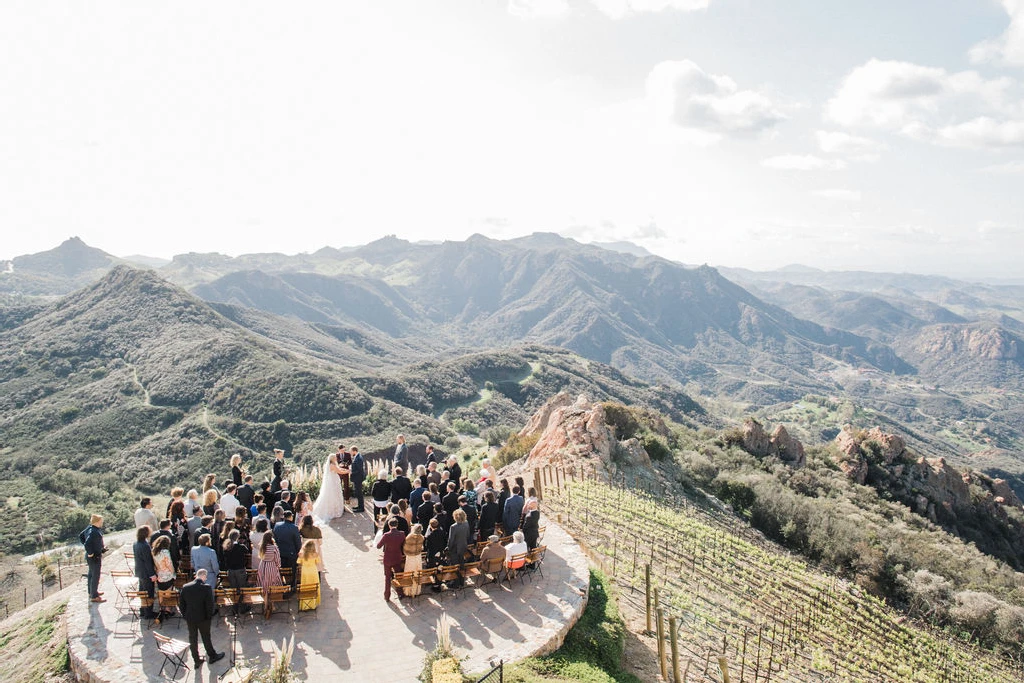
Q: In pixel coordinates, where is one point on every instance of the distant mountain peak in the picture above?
(70, 258)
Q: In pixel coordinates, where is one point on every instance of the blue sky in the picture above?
(868, 135)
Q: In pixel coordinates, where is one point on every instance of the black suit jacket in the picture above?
(450, 502)
(144, 565)
(245, 495)
(196, 602)
(401, 487)
(175, 551)
(489, 517)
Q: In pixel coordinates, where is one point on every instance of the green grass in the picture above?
(32, 649)
(592, 650)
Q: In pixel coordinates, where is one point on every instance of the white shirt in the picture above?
(144, 517)
(515, 549)
(228, 503)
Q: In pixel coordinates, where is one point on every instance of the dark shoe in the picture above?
(217, 657)
(359, 510)
(198, 664)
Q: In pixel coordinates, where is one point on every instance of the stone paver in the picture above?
(355, 635)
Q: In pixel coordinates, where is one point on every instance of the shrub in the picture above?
(656, 447)
(452, 443)
(465, 427)
(496, 436)
(517, 447)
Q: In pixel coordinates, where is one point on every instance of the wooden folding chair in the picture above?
(425, 577)
(167, 601)
(492, 569)
(451, 574)
(129, 561)
(400, 581)
(252, 597)
(275, 596)
(138, 601)
(173, 651)
(470, 571)
(226, 598)
(513, 568)
(535, 559)
(308, 594)
(124, 581)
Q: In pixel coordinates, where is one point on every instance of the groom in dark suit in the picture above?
(357, 473)
(196, 603)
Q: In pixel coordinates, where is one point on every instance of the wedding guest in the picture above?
(503, 496)
(286, 500)
(431, 457)
(145, 569)
(433, 476)
(394, 557)
(311, 532)
(242, 524)
(531, 528)
(195, 522)
(191, 502)
(413, 549)
(177, 494)
(222, 537)
(205, 529)
(426, 510)
(289, 543)
(309, 566)
(380, 492)
(165, 531)
(492, 551)
(209, 484)
(256, 539)
(395, 513)
(229, 501)
(220, 518)
(401, 487)
(513, 512)
(416, 496)
(236, 469)
(443, 518)
(269, 572)
(210, 502)
(488, 520)
(516, 547)
(405, 511)
(236, 559)
(532, 503)
(165, 570)
(303, 507)
(145, 516)
(275, 483)
(450, 502)
(197, 605)
(436, 541)
(205, 557)
(246, 494)
(92, 538)
(453, 469)
(458, 539)
(469, 510)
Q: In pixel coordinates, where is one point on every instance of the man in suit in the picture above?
(425, 512)
(145, 516)
(145, 569)
(454, 471)
(401, 487)
(431, 457)
(471, 516)
(394, 558)
(401, 458)
(358, 476)
(286, 501)
(513, 511)
(489, 514)
(450, 500)
(416, 496)
(289, 543)
(196, 603)
(246, 494)
(204, 557)
(275, 483)
(345, 463)
(433, 476)
(205, 529)
(92, 538)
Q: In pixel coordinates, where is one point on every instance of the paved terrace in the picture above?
(354, 635)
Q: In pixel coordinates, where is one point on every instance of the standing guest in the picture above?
(269, 572)
(469, 510)
(243, 525)
(503, 496)
(261, 512)
(450, 502)
(487, 471)
(229, 501)
(453, 469)
(401, 459)
(358, 476)
(220, 518)
(210, 484)
(394, 557)
(194, 524)
(416, 496)
(532, 503)
(236, 470)
(469, 491)
(431, 457)
(303, 507)
(425, 513)
(276, 515)
(222, 537)
(458, 539)
(92, 538)
(269, 497)
(204, 557)
(345, 462)
(531, 528)
(145, 569)
(236, 559)
(443, 518)
(204, 530)
(405, 511)
(433, 476)
(395, 513)
(256, 539)
(513, 511)
(210, 502)
(165, 569)
(309, 566)
(246, 494)
(488, 515)
(289, 543)
(401, 487)
(435, 543)
(196, 603)
(413, 549)
(191, 502)
(381, 494)
(311, 532)
(257, 500)
(177, 494)
(172, 542)
(275, 483)
(145, 516)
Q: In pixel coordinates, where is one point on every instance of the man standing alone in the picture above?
(401, 454)
(92, 538)
(195, 601)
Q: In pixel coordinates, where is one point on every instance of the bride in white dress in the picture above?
(330, 503)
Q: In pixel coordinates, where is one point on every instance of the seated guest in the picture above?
(425, 513)
(435, 542)
(145, 516)
(380, 492)
(204, 557)
(492, 552)
(311, 532)
(531, 529)
(516, 547)
(229, 501)
(401, 487)
(145, 568)
(458, 539)
(488, 520)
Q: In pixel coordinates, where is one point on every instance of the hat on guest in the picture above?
(494, 538)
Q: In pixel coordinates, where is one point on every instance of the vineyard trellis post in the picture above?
(662, 663)
(723, 665)
(673, 634)
(537, 484)
(647, 592)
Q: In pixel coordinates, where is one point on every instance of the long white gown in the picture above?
(330, 503)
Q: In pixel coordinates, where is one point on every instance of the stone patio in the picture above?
(354, 635)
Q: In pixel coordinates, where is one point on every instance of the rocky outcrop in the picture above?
(539, 421)
(758, 443)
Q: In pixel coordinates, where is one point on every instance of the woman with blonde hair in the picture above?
(236, 469)
(404, 510)
(311, 532)
(176, 493)
(308, 563)
(191, 503)
(209, 484)
(210, 506)
(413, 549)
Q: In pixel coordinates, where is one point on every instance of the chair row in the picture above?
(459, 576)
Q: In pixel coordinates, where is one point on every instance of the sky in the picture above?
(873, 135)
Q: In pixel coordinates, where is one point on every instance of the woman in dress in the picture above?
(405, 511)
(310, 572)
(436, 542)
(531, 503)
(310, 532)
(165, 571)
(330, 503)
(236, 469)
(413, 549)
(302, 506)
(269, 572)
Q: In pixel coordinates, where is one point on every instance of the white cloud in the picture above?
(710, 105)
(1007, 48)
(621, 9)
(1007, 167)
(931, 104)
(839, 195)
(844, 144)
(803, 162)
(538, 9)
